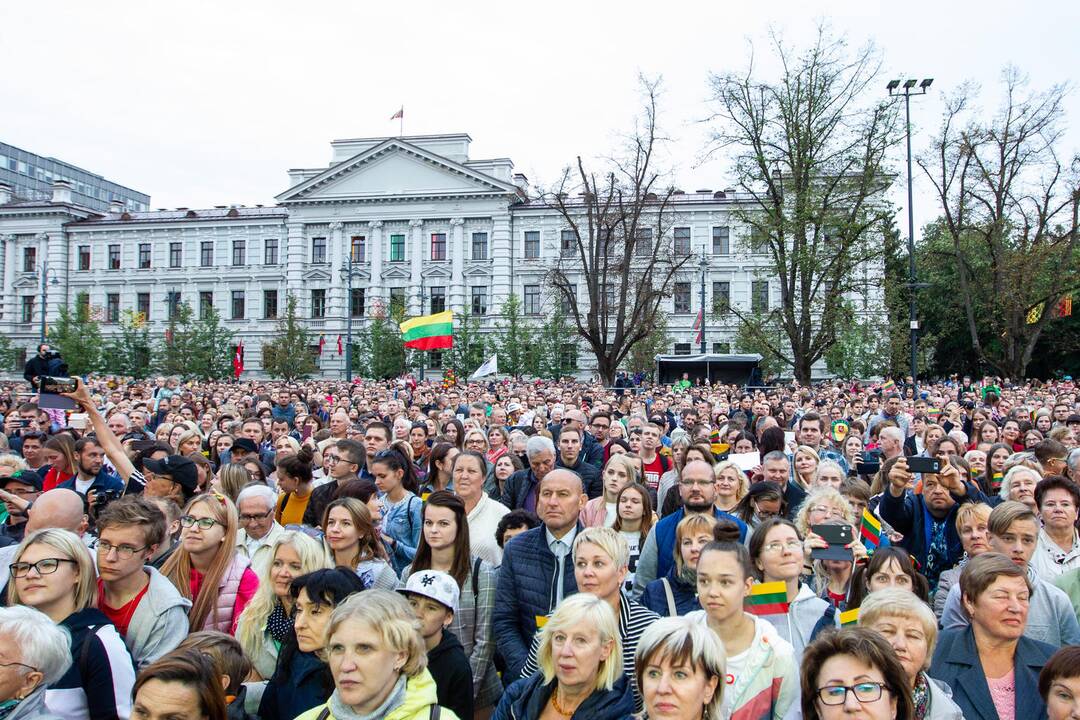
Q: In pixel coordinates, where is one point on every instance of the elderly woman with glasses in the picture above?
(35, 652)
(910, 627)
(826, 506)
(853, 672)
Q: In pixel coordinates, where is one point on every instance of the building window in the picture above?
(532, 244)
(643, 245)
(682, 348)
(682, 298)
(438, 246)
(397, 301)
(270, 250)
(721, 297)
(318, 250)
(237, 304)
(356, 302)
(318, 303)
(564, 302)
(682, 241)
(568, 358)
(479, 246)
(112, 308)
(759, 240)
(84, 257)
(438, 299)
(28, 308)
(720, 240)
(270, 304)
(206, 253)
(142, 306)
(239, 252)
(358, 249)
(479, 300)
(82, 303)
(175, 254)
(721, 348)
(172, 304)
(567, 243)
(759, 296)
(114, 257)
(29, 259)
(206, 304)
(532, 299)
(435, 359)
(144, 256)
(397, 248)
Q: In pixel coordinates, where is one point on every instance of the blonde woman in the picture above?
(731, 486)
(378, 660)
(207, 568)
(268, 619)
(832, 578)
(52, 572)
(580, 668)
(806, 462)
(619, 471)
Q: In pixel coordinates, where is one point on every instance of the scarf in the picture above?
(921, 696)
(280, 623)
(341, 711)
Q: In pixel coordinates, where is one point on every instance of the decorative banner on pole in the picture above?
(491, 367)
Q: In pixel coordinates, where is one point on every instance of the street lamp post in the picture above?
(348, 318)
(906, 89)
(45, 297)
(704, 265)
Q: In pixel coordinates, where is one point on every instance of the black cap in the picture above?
(182, 471)
(246, 444)
(1072, 419)
(26, 477)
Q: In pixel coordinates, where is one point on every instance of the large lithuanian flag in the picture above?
(430, 332)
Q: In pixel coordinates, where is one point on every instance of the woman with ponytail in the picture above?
(395, 476)
(294, 481)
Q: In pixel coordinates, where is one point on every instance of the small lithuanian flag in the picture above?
(870, 529)
(995, 481)
(767, 599)
(430, 332)
(849, 617)
(887, 386)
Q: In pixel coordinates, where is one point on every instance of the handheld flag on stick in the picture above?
(870, 529)
(849, 617)
(933, 413)
(429, 332)
(995, 482)
(767, 599)
(888, 386)
(490, 367)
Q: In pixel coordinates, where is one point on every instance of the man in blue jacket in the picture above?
(520, 491)
(92, 480)
(537, 571)
(697, 487)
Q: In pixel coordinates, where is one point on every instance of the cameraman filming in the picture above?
(46, 362)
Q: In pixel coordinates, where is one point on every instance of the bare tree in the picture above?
(615, 244)
(810, 153)
(1011, 209)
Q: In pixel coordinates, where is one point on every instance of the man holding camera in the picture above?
(41, 364)
(92, 480)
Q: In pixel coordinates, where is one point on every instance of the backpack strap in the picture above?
(324, 714)
(84, 655)
(475, 580)
(672, 610)
(435, 712)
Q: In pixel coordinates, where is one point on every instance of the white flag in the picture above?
(491, 367)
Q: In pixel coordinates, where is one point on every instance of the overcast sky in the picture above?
(207, 103)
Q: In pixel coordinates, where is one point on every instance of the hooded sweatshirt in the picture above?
(762, 682)
(801, 622)
(452, 672)
(102, 675)
(419, 696)
(159, 623)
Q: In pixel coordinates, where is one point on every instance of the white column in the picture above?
(294, 267)
(413, 304)
(7, 242)
(457, 265)
(375, 247)
(338, 250)
(54, 248)
(502, 258)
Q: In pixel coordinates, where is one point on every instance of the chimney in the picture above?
(6, 195)
(61, 192)
(522, 183)
(116, 206)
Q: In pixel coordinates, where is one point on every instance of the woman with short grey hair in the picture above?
(34, 653)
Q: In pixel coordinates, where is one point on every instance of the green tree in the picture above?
(763, 335)
(470, 349)
(129, 352)
(379, 351)
(213, 355)
(287, 355)
(77, 336)
(642, 357)
(7, 353)
(176, 354)
(810, 154)
(516, 340)
(861, 349)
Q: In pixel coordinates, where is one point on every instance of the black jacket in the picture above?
(450, 669)
(526, 699)
(298, 684)
(589, 474)
(516, 490)
(35, 366)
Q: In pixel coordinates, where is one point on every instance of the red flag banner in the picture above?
(399, 114)
(340, 348)
(322, 342)
(238, 361)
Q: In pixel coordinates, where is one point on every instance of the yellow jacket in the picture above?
(419, 698)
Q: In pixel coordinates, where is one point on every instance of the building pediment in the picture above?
(398, 170)
(396, 272)
(437, 272)
(316, 276)
(24, 283)
(477, 271)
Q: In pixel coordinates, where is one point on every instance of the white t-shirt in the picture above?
(83, 486)
(609, 514)
(633, 542)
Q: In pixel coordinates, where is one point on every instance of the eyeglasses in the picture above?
(331, 459)
(45, 566)
(792, 544)
(866, 692)
(203, 523)
(258, 516)
(686, 482)
(124, 552)
(827, 511)
(601, 426)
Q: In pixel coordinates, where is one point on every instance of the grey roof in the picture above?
(189, 215)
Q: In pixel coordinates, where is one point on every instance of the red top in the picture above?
(121, 616)
(53, 478)
(652, 472)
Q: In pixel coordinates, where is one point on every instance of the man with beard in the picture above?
(92, 479)
(697, 487)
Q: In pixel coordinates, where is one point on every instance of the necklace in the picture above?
(559, 708)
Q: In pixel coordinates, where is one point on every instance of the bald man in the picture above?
(537, 571)
(58, 508)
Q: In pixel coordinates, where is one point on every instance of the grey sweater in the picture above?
(159, 623)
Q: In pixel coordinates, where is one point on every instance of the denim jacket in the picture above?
(403, 523)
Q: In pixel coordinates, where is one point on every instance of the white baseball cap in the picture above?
(435, 584)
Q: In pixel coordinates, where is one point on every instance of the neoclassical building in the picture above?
(426, 226)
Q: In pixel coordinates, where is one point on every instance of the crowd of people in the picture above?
(540, 550)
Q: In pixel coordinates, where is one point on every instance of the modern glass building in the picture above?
(31, 177)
